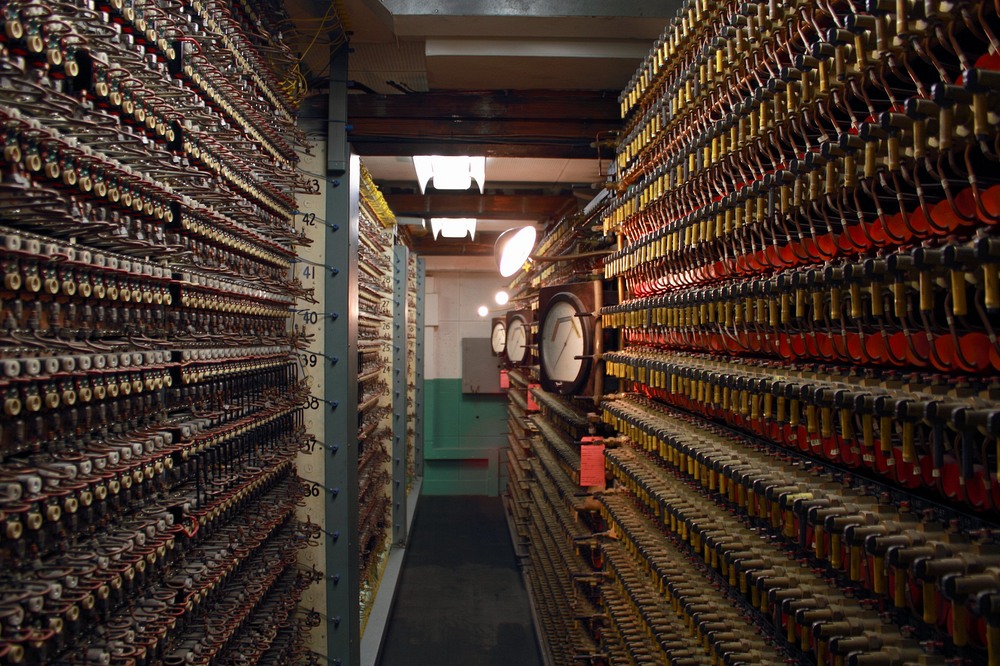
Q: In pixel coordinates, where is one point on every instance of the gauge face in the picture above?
(517, 339)
(566, 338)
(498, 340)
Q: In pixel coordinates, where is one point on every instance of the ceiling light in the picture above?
(502, 297)
(483, 310)
(453, 227)
(450, 172)
(513, 249)
(410, 221)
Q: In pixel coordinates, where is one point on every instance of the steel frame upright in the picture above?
(340, 346)
(400, 376)
(418, 361)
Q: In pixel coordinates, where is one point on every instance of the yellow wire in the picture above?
(320, 30)
(295, 85)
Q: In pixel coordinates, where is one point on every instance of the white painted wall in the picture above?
(453, 296)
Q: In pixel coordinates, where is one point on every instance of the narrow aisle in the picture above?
(461, 599)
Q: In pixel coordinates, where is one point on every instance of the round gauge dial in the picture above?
(498, 339)
(517, 339)
(565, 342)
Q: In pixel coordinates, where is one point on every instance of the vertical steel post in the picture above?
(418, 361)
(340, 345)
(400, 258)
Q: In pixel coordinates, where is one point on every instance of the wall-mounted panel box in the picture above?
(480, 368)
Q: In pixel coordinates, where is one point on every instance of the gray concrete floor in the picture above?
(461, 599)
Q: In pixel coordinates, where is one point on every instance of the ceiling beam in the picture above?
(393, 147)
(552, 19)
(536, 8)
(496, 124)
(422, 242)
(598, 105)
(452, 248)
(489, 206)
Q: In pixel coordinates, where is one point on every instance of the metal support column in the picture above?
(418, 360)
(340, 347)
(400, 257)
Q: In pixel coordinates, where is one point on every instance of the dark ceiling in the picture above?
(532, 84)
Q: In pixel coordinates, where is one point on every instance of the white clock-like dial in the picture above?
(499, 338)
(517, 340)
(562, 342)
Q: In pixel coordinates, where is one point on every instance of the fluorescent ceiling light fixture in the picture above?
(483, 310)
(513, 249)
(453, 227)
(450, 172)
(502, 297)
(410, 221)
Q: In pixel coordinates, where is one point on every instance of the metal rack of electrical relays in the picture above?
(196, 442)
(801, 364)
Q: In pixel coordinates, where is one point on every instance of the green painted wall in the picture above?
(464, 435)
